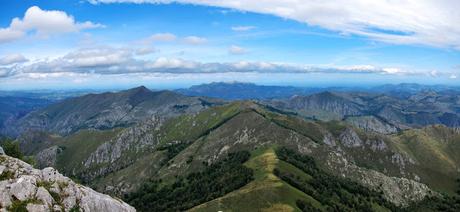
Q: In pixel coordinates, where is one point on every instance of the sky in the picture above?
(171, 44)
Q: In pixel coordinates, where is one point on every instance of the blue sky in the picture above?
(124, 43)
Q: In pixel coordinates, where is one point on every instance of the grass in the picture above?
(21, 206)
(191, 127)
(6, 175)
(432, 149)
(266, 193)
(78, 147)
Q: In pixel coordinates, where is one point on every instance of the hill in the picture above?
(121, 161)
(108, 110)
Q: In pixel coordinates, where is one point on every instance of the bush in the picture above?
(11, 148)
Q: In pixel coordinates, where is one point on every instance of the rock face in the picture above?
(372, 124)
(398, 190)
(23, 187)
(47, 157)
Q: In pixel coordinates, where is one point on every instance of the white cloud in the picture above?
(426, 22)
(98, 57)
(242, 28)
(392, 70)
(106, 60)
(453, 76)
(43, 23)
(163, 37)
(236, 50)
(171, 63)
(194, 40)
(434, 73)
(7, 35)
(12, 59)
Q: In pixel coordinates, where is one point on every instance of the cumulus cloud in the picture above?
(242, 28)
(234, 49)
(425, 22)
(194, 40)
(43, 23)
(12, 59)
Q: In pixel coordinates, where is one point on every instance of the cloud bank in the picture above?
(108, 60)
(425, 22)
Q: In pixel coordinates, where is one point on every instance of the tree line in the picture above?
(214, 181)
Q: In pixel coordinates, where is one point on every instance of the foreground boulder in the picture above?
(23, 187)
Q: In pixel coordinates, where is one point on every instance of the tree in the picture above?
(11, 148)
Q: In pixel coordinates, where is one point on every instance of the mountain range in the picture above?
(338, 150)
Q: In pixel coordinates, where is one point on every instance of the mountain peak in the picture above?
(139, 89)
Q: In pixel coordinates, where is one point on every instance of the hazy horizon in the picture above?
(175, 44)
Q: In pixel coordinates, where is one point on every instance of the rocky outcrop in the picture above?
(372, 124)
(349, 138)
(142, 137)
(326, 102)
(400, 191)
(25, 188)
(47, 157)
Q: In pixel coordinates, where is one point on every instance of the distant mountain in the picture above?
(13, 108)
(239, 90)
(405, 90)
(377, 112)
(108, 110)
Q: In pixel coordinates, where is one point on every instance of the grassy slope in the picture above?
(267, 192)
(433, 148)
(78, 147)
(436, 150)
(185, 128)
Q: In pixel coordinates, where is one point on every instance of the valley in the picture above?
(139, 145)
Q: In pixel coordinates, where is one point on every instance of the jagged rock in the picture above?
(47, 157)
(377, 145)
(37, 208)
(329, 140)
(135, 139)
(48, 190)
(23, 188)
(44, 196)
(349, 138)
(1, 151)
